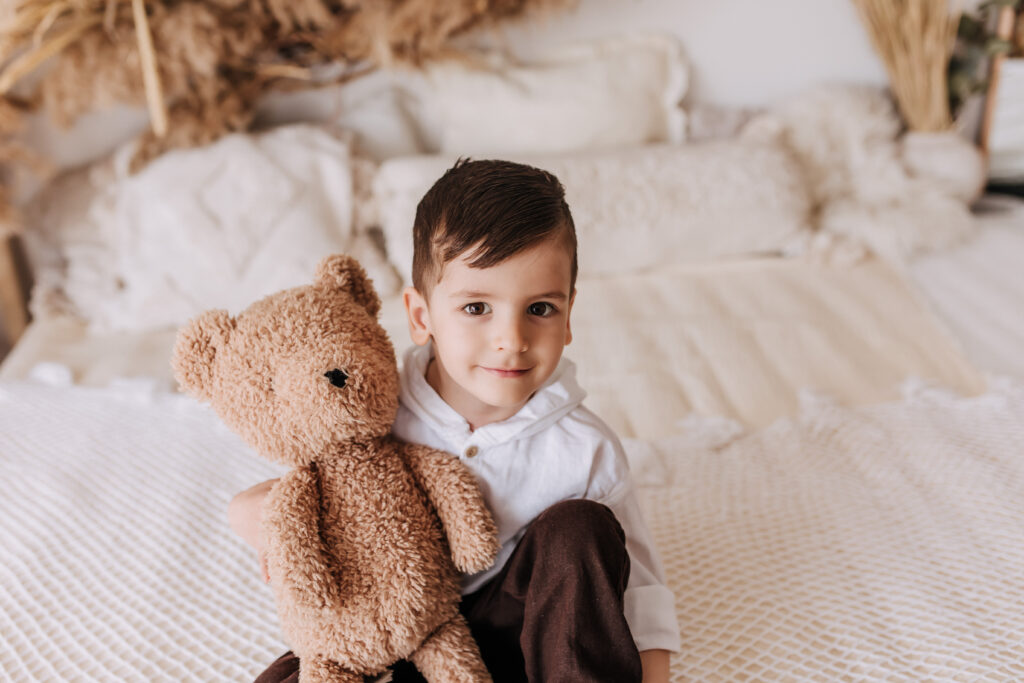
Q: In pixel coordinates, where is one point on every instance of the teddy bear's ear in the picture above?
(195, 350)
(344, 272)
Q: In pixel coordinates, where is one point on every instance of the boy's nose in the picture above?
(510, 337)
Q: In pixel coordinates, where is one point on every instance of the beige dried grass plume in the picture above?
(201, 65)
(915, 40)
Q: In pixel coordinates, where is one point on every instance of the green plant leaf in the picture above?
(997, 46)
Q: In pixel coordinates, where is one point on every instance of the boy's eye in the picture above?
(478, 308)
(541, 309)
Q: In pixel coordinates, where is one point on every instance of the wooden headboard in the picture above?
(15, 283)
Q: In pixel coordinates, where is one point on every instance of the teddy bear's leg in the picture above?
(451, 655)
(323, 670)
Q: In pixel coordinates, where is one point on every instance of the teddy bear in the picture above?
(365, 535)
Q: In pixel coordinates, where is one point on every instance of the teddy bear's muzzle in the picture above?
(337, 377)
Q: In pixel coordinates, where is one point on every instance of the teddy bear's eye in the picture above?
(337, 377)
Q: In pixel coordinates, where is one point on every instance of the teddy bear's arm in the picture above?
(472, 534)
(295, 550)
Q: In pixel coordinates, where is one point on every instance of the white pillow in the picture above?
(620, 91)
(640, 207)
(216, 227)
(372, 108)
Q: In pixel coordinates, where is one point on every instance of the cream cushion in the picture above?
(212, 227)
(640, 207)
(618, 91)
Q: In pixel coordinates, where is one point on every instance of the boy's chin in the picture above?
(508, 402)
(504, 400)
(506, 393)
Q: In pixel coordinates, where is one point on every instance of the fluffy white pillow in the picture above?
(620, 91)
(372, 108)
(640, 207)
(869, 189)
(73, 263)
(212, 227)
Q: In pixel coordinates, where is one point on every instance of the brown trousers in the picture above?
(554, 612)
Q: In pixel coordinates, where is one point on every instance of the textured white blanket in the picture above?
(116, 563)
(878, 544)
(881, 543)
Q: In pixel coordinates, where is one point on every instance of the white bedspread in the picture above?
(116, 562)
(846, 544)
(881, 543)
(977, 288)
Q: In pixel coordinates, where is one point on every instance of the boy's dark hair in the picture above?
(499, 207)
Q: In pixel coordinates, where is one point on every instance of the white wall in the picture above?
(742, 52)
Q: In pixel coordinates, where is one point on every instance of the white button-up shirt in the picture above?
(552, 450)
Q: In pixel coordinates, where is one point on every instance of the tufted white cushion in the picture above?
(212, 227)
(639, 207)
(617, 91)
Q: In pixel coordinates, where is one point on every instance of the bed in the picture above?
(828, 448)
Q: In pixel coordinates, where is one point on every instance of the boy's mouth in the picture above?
(507, 372)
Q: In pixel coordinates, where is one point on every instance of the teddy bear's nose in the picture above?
(337, 377)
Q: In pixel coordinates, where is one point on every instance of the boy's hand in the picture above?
(245, 515)
(655, 665)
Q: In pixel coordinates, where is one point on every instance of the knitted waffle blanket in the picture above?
(116, 560)
(878, 543)
(884, 543)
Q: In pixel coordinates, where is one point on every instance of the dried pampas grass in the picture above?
(200, 65)
(915, 40)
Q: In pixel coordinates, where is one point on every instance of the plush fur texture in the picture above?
(364, 534)
(866, 189)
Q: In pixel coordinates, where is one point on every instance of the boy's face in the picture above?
(498, 332)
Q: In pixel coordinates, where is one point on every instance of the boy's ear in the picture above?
(418, 314)
(344, 272)
(195, 350)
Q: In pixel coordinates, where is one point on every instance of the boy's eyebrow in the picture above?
(473, 294)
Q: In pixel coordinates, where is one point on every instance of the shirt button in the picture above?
(471, 451)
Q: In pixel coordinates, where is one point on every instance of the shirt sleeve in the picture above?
(649, 605)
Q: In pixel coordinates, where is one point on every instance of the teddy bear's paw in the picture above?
(476, 554)
(450, 655)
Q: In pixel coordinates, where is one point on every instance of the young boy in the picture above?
(577, 592)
